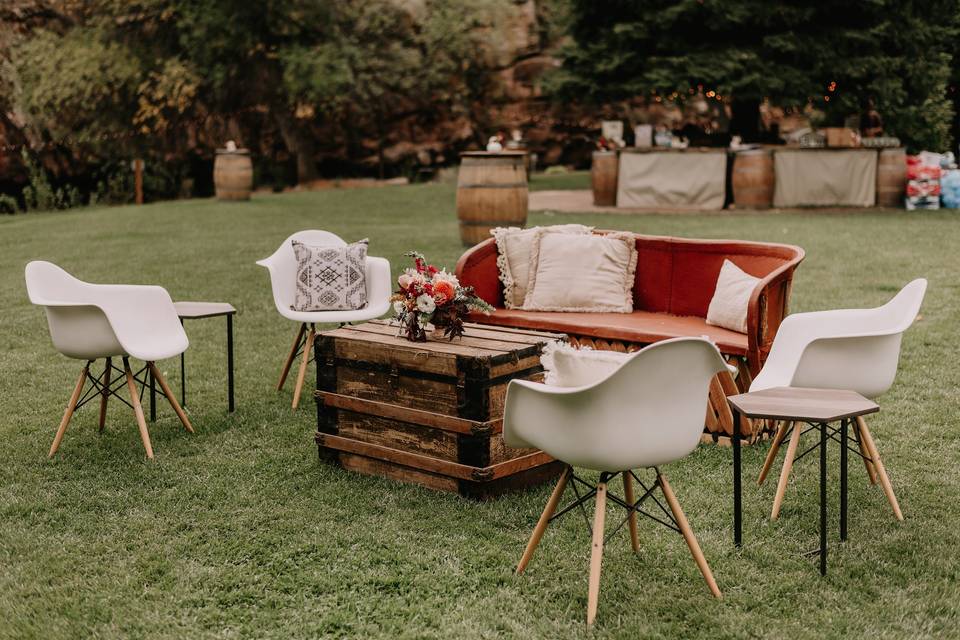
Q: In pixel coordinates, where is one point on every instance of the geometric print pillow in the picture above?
(331, 278)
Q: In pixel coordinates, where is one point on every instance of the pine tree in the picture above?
(832, 54)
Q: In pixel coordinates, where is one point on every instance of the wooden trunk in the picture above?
(429, 412)
(491, 192)
(604, 170)
(753, 179)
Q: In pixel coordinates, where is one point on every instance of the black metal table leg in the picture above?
(153, 396)
(183, 376)
(823, 498)
(737, 502)
(230, 363)
(843, 479)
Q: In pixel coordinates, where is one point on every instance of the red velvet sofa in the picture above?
(675, 281)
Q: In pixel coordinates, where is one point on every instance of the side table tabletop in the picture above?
(197, 311)
(818, 408)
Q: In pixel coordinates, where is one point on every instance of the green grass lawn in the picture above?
(239, 532)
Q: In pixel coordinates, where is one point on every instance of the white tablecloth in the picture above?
(825, 177)
(672, 179)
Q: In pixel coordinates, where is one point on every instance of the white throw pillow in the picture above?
(582, 273)
(513, 257)
(567, 366)
(728, 308)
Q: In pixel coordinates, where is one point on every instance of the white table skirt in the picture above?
(672, 180)
(825, 177)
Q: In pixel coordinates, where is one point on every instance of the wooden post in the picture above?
(138, 180)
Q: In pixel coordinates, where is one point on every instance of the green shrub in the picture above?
(8, 204)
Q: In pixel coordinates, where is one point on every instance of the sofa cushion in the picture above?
(567, 366)
(640, 326)
(513, 257)
(580, 273)
(731, 300)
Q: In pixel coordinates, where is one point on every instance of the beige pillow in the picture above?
(728, 308)
(513, 257)
(567, 366)
(582, 273)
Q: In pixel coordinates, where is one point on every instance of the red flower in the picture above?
(443, 291)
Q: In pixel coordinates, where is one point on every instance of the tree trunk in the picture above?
(380, 136)
(298, 142)
(745, 120)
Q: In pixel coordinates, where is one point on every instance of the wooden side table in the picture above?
(197, 311)
(818, 408)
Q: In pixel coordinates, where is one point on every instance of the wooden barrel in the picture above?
(491, 192)
(891, 177)
(603, 178)
(753, 179)
(233, 174)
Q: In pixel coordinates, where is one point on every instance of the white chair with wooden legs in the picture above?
(856, 349)
(90, 322)
(282, 266)
(647, 413)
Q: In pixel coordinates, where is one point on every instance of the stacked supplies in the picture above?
(923, 184)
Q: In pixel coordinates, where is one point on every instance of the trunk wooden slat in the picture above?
(427, 412)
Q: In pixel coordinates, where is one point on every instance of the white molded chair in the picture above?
(93, 321)
(282, 266)
(856, 349)
(647, 413)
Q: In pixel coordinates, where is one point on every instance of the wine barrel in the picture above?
(753, 179)
(491, 192)
(603, 178)
(891, 177)
(233, 174)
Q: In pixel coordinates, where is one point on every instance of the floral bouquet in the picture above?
(428, 294)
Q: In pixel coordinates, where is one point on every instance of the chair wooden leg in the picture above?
(71, 407)
(878, 464)
(785, 471)
(305, 358)
(170, 396)
(688, 535)
(867, 462)
(137, 409)
(544, 520)
(596, 552)
(628, 494)
(774, 449)
(105, 393)
(293, 354)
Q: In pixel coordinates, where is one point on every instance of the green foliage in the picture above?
(8, 204)
(40, 194)
(81, 85)
(833, 56)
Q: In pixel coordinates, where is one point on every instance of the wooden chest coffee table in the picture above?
(428, 412)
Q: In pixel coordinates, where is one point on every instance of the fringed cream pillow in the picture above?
(513, 257)
(567, 366)
(731, 299)
(582, 273)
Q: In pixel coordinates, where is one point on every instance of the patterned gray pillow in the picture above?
(331, 278)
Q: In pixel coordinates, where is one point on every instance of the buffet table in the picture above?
(667, 179)
(659, 178)
(825, 177)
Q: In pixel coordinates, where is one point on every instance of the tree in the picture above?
(155, 73)
(833, 55)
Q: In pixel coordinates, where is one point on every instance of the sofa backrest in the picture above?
(674, 275)
(679, 275)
